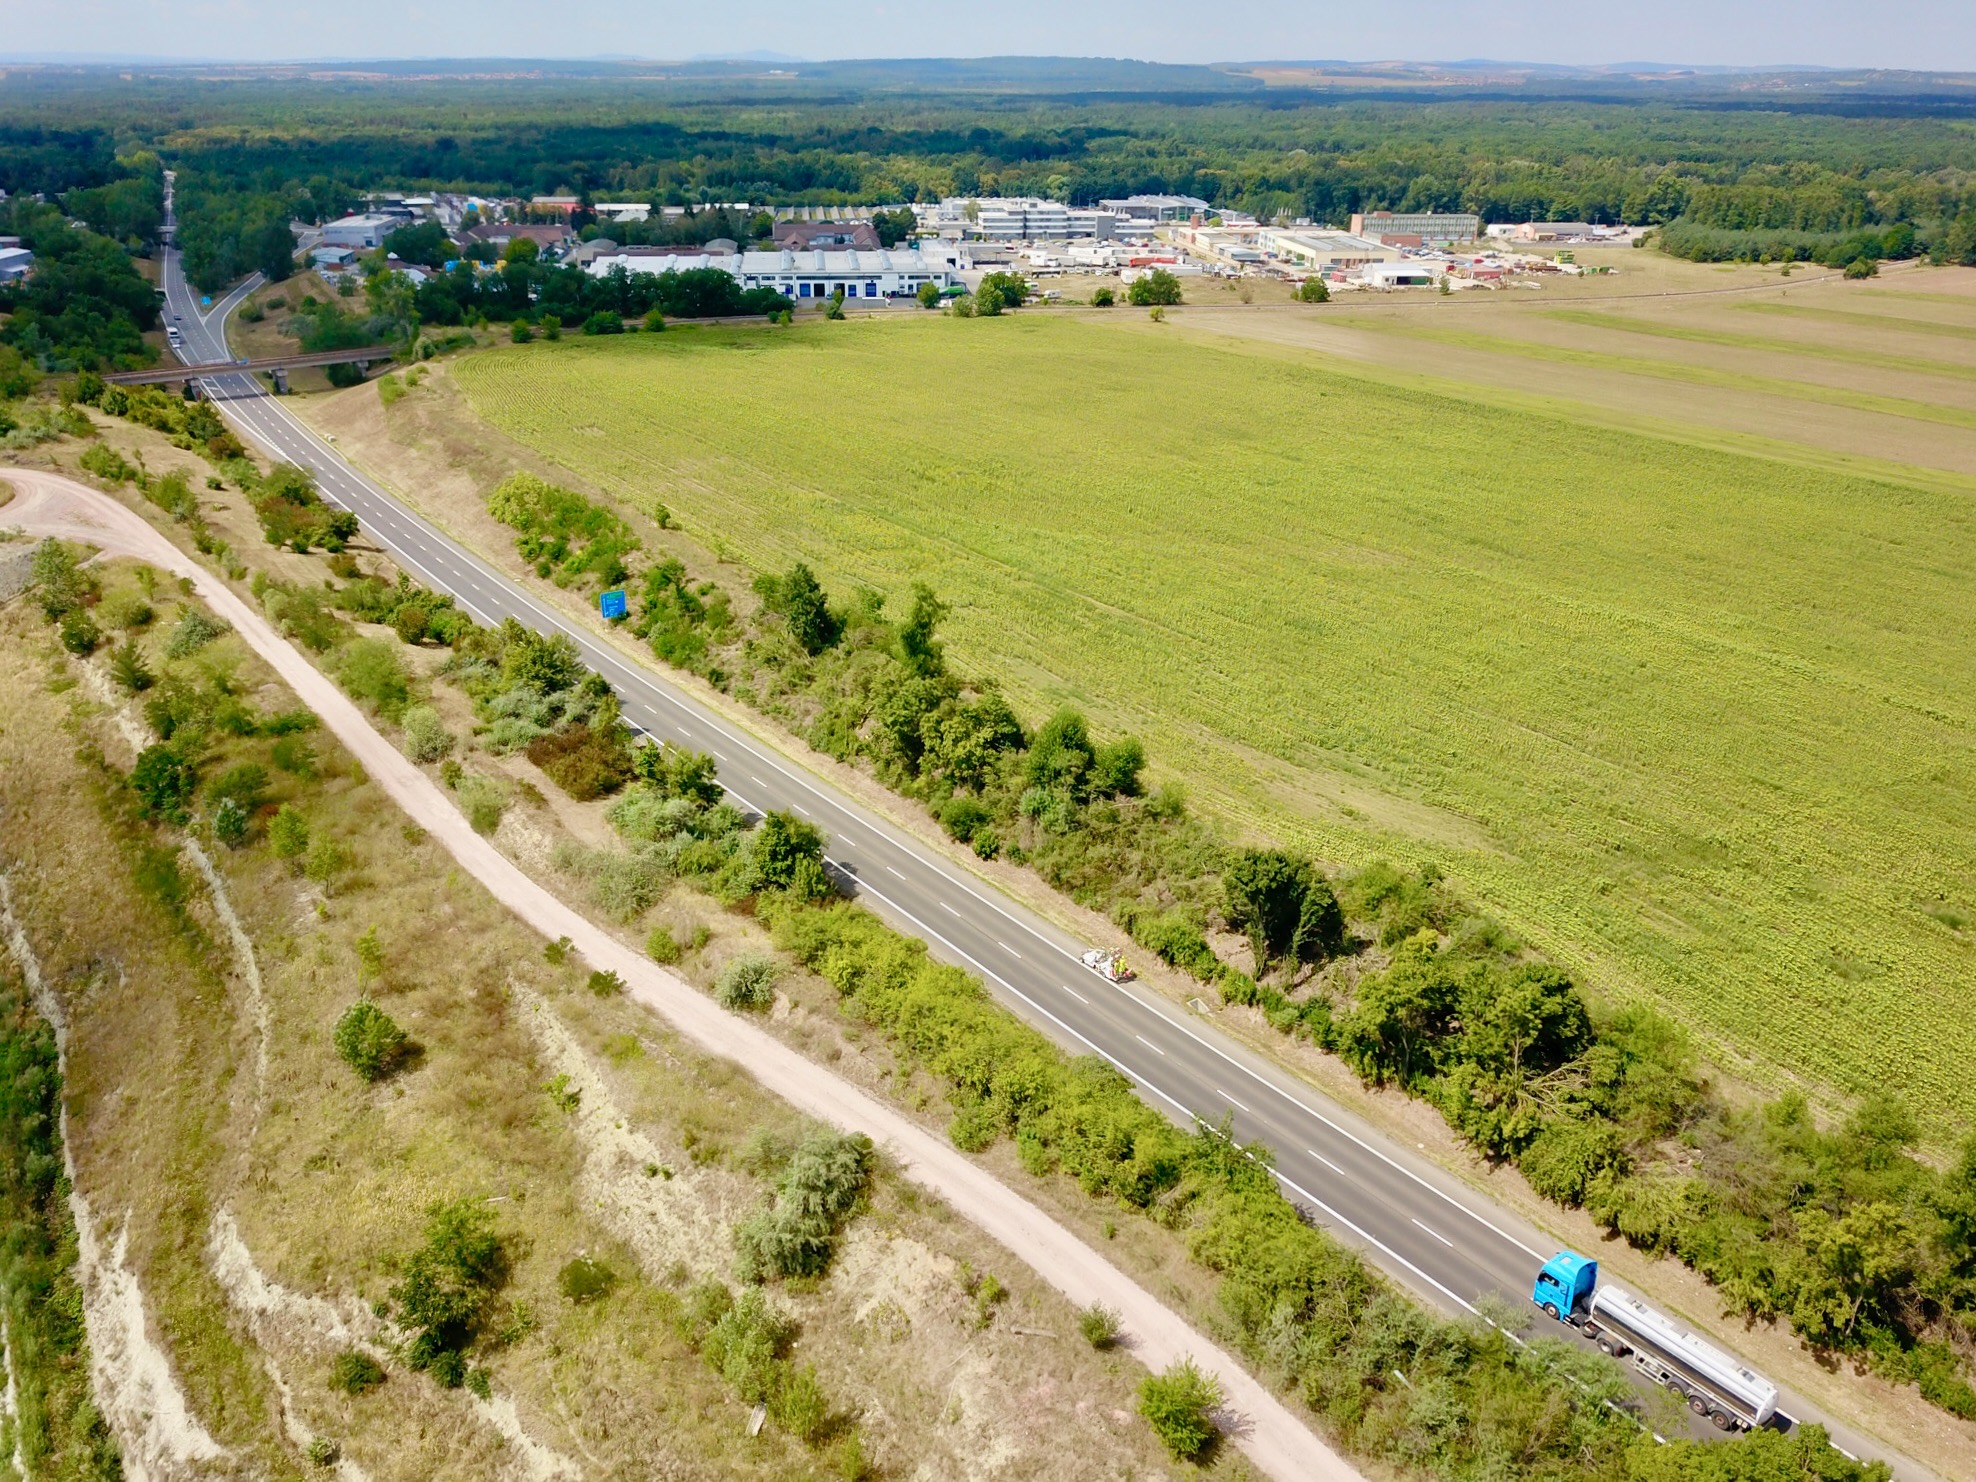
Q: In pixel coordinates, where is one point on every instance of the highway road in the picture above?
(1425, 1228)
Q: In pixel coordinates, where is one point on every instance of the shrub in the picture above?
(482, 800)
(369, 1041)
(520, 333)
(584, 1280)
(447, 1286)
(322, 1451)
(80, 635)
(662, 946)
(127, 668)
(1103, 298)
(748, 982)
(586, 763)
(796, 1235)
(326, 860)
(799, 1406)
(745, 1346)
(245, 786)
(426, 736)
(288, 833)
(1313, 291)
(371, 670)
(194, 631)
(1862, 267)
(604, 321)
(963, 815)
(605, 983)
(56, 577)
(125, 610)
(1179, 1405)
(164, 780)
(230, 823)
(1099, 1325)
(354, 1373)
(1157, 289)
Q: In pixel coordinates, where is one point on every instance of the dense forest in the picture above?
(1730, 177)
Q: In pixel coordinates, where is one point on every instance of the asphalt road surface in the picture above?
(1426, 1229)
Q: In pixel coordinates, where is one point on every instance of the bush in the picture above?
(324, 1452)
(962, 816)
(447, 1286)
(662, 946)
(1862, 267)
(369, 1041)
(604, 321)
(426, 736)
(482, 800)
(799, 1406)
(1103, 298)
(520, 333)
(127, 668)
(354, 1373)
(584, 762)
(745, 1346)
(56, 578)
(748, 982)
(125, 610)
(164, 780)
(1099, 1325)
(1313, 291)
(1179, 1405)
(371, 670)
(79, 633)
(194, 631)
(288, 833)
(605, 983)
(583, 1281)
(820, 1186)
(1157, 289)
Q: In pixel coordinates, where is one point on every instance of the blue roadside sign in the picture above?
(206, 299)
(612, 605)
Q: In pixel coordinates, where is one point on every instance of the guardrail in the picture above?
(365, 354)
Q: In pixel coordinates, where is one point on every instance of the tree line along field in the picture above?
(1696, 724)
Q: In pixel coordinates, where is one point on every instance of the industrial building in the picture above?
(815, 274)
(1325, 252)
(361, 232)
(1020, 219)
(16, 262)
(1417, 228)
(1152, 210)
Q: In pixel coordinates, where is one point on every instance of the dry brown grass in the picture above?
(326, 1179)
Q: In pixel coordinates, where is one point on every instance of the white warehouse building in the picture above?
(814, 274)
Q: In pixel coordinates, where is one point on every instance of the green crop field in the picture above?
(1700, 725)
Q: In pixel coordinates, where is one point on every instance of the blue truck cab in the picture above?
(1564, 1287)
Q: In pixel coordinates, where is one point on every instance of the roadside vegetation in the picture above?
(1303, 1309)
(540, 1197)
(1602, 1106)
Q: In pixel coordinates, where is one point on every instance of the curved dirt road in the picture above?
(1272, 1437)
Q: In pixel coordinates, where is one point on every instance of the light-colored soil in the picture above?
(1272, 1437)
(1394, 333)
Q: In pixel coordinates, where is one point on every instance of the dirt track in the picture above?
(1260, 1424)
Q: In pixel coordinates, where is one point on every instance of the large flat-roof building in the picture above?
(363, 231)
(1324, 252)
(1152, 209)
(797, 275)
(1021, 219)
(1437, 228)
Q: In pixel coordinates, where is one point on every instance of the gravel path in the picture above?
(1273, 1438)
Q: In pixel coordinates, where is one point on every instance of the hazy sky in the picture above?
(1922, 34)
